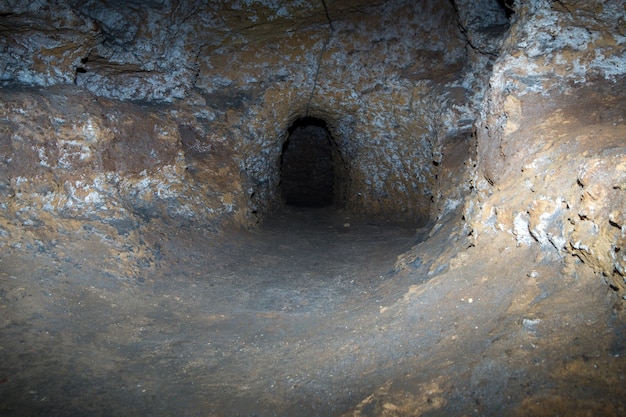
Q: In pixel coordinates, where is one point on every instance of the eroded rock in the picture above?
(550, 143)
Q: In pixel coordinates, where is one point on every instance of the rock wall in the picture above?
(124, 112)
(551, 155)
(376, 75)
(141, 110)
(66, 154)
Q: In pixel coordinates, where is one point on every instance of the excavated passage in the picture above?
(307, 174)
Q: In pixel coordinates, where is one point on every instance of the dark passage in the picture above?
(307, 175)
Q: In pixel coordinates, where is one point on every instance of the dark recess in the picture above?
(307, 174)
(507, 7)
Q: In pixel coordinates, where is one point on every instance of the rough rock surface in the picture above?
(65, 157)
(148, 263)
(387, 78)
(553, 130)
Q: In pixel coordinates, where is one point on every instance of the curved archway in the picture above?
(307, 165)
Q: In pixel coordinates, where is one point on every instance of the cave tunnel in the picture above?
(306, 166)
(179, 238)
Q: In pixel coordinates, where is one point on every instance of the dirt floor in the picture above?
(314, 314)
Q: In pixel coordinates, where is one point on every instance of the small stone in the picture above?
(530, 324)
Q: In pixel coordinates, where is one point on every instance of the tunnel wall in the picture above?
(225, 85)
(65, 158)
(551, 152)
(179, 111)
(378, 78)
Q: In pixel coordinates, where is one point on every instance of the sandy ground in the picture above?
(313, 314)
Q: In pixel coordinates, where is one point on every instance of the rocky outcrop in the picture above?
(551, 138)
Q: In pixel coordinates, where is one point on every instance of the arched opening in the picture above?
(306, 167)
